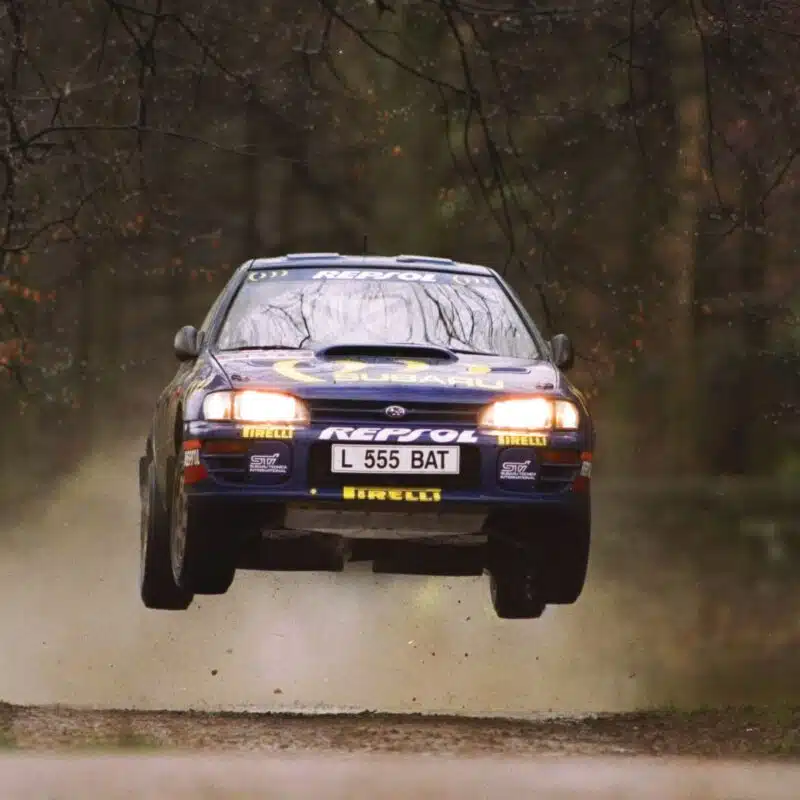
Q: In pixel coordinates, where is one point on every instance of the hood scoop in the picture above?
(409, 351)
(513, 370)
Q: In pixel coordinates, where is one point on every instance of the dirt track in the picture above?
(749, 732)
(370, 755)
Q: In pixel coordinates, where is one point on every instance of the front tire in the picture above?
(543, 561)
(203, 562)
(514, 592)
(157, 586)
(564, 555)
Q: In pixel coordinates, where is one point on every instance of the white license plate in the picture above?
(400, 460)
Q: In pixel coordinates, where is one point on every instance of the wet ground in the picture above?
(63, 753)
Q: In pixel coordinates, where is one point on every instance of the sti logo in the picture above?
(267, 464)
(517, 471)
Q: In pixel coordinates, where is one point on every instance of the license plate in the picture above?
(405, 460)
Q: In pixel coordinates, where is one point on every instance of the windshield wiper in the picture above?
(262, 347)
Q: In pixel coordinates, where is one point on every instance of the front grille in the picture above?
(419, 413)
(556, 477)
(229, 467)
(321, 477)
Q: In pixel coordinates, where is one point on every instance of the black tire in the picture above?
(563, 557)
(544, 561)
(203, 560)
(514, 592)
(156, 584)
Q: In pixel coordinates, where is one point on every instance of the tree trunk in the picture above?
(292, 233)
(677, 247)
(251, 178)
(753, 319)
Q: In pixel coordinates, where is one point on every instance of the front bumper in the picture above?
(261, 464)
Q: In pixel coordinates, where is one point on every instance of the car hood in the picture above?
(302, 372)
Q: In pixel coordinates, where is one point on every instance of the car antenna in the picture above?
(364, 250)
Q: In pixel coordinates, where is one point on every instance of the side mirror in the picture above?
(563, 354)
(186, 343)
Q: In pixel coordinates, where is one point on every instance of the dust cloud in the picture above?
(74, 630)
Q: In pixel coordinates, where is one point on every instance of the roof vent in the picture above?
(311, 256)
(425, 259)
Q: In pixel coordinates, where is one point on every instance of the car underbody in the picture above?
(328, 539)
(315, 537)
(538, 556)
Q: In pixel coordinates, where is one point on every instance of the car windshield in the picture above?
(319, 307)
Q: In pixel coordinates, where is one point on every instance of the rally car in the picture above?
(403, 411)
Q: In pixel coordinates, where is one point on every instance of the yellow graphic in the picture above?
(415, 366)
(348, 367)
(351, 371)
(266, 432)
(412, 379)
(478, 369)
(289, 370)
(391, 494)
(523, 440)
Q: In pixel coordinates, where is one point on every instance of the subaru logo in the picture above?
(395, 412)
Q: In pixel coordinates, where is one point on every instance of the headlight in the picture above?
(254, 406)
(531, 414)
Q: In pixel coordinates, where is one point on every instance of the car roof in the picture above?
(402, 262)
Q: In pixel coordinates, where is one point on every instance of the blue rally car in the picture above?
(402, 411)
